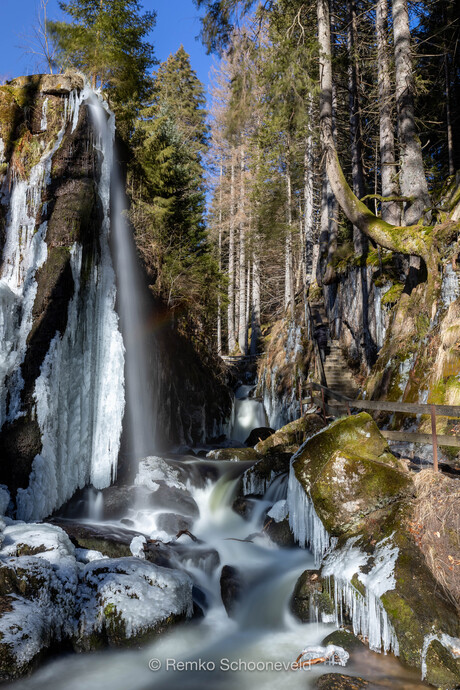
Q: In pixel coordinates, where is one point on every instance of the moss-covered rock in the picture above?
(235, 454)
(339, 681)
(291, 436)
(442, 669)
(344, 638)
(311, 597)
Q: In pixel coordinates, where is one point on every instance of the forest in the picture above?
(230, 348)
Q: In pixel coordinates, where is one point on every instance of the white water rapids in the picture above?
(218, 651)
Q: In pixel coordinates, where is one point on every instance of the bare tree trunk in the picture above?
(450, 141)
(309, 220)
(408, 240)
(248, 307)
(242, 326)
(219, 300)
(288, 268)
(357, 175)
(412, 178)
(255, 332)
(391, 211)
(231, 265)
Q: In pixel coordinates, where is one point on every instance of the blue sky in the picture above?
(177, 22)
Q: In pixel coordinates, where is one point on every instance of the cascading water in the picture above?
(248, 414)
(130, 299)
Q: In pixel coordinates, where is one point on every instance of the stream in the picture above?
(216, 651)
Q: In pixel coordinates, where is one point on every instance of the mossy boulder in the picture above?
(311, 597)
(344, 638)
(442, 669)
(293, 434)
(235, 454)
(349, 472)
(339, 681)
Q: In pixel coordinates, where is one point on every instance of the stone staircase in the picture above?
(337, 372)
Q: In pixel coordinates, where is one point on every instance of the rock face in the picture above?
(357, 499)
(52, 593)
(61, 349)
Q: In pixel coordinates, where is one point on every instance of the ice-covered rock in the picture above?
(127, 600)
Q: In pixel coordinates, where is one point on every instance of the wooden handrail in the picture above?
(385, 406)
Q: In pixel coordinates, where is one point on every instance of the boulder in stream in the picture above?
(261, 433)
(231, 586)
(291, 436)
(356, 500)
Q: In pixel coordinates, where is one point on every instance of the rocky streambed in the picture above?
(245, 557)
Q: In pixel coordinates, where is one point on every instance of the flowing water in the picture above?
(249, 414)
(140, 414)
(216, 651)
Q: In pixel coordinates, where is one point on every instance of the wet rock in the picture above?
(279, 532)
(311, 597)
(350, 473)
(231, 586)
(259, 434)
(234, 454)
(243, 506)
(178, 500)
(339, 681)
(110, 541)
(442, 669)
(291, 436)
(344, 638)
(258, 478)
(172, 523)
(20, 442)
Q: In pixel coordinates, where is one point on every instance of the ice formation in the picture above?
(452, 644)
(143, 594)
(366, 611)
(137, 546)
(279, 511)
(305, 524)
(332, 653)
(44, 120)
(154, 469)
(79, 394)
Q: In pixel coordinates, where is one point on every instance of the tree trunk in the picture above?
(412, 175)
(219, 299)
(450, 141)
(242, 325)
(288, 269)
(255, 332)
(309, 210)
(391, 211)
(357, 175)
(408, 240)
(231, 266)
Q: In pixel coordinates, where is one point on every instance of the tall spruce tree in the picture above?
(106, 39)
(171, 140)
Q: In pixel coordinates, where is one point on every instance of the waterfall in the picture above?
(140, 415)
(79, 395)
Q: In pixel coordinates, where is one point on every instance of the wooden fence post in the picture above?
(435, 438)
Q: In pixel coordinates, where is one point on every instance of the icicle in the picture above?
(306, 526)
(24, 252)
(80, 391)
(44, 120)
(366, 611)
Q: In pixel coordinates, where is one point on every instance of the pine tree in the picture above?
(106, 40)
(170, 142)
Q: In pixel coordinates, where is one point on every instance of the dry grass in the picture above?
(436, 529)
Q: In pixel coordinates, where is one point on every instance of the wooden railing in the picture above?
(346, 405)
